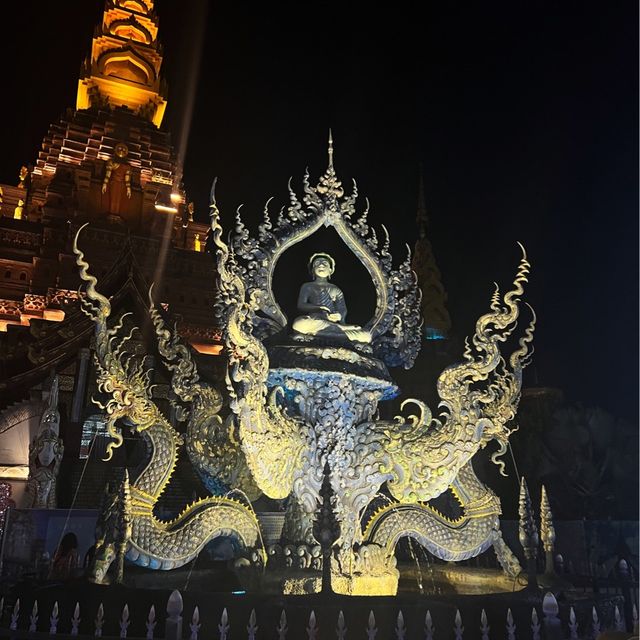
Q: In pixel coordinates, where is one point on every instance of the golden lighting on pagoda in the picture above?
(207, 348)
(165, 208)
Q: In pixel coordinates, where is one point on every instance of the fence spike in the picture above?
(595, 623)
(252, 629)
(549, 605)
(511, 627)
(173, 623)
(618, 621)
(124, 621)
(401, 630)
(312, 629)
(429, 629)
(223, 627)
(195, 623)
(535, 625)
(458, 629)
(341, 629)
(14, 616)
(53, 620)
(99, 621)
(75, 620)
(33, 618)
(282, 627)
(573, 625)
(175, 604)
(371, 626)
(484, 626)
(151, 622)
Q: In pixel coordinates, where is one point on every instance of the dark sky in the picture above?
(524, 116)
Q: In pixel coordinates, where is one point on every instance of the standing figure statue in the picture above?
(117, 179)
(45, 456)
(324, 306)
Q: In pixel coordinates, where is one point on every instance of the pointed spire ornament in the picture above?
(329, 185)
(326, 529)
(528, 534)
(330, 149)
(547, 530)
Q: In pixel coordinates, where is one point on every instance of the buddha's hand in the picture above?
(334, 317)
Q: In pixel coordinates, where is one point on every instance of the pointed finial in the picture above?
(528, 533)
(547, 530)
(330, 149)
(329, 184)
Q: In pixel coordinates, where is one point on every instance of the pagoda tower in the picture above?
(123, 69)
(437, 322)
(107, 160)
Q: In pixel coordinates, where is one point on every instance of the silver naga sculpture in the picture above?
(308, 401)
(45, 455)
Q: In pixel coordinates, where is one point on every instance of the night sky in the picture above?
(523, 115)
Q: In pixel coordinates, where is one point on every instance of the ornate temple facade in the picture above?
(109, 163)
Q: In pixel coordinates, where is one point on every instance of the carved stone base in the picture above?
(301, 585)
(348, 585)
(359, 584)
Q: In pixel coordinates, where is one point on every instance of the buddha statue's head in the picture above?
(121, 150)
(321, 265)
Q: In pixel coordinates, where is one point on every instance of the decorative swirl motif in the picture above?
(123, 379)
(479, 398)
(274, 444)
(211, 445)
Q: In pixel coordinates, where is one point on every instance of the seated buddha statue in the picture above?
(324, 307)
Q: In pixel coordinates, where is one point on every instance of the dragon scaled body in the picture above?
(152, 542)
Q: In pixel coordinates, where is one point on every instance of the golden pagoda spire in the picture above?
(123, 69)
